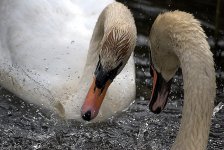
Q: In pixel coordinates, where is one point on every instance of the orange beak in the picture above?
(160, 92)
(154, 80)
(93, 100)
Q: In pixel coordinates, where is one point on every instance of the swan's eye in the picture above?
(151, 66)
(151, 70)
(98, 66)
(100, 75)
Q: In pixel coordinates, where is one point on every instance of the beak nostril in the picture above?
(87, 116)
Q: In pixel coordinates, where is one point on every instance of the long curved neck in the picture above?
(97, 36)
(199, 93)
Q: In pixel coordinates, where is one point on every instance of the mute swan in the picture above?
(177, 40)
(44, 60)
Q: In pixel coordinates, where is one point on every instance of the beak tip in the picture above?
(87, 115)
(156, 111)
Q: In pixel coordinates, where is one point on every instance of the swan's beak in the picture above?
(93, 100)
(160, 92)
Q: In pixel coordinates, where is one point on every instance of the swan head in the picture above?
(169, 37)
(164, 65)
(114, 52)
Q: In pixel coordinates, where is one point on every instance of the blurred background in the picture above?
(25, 126)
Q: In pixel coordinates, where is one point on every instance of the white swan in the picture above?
(177, 39)
(44, 46)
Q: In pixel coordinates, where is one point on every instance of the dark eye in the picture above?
(98, 68)
(151, 70)
(151, 65)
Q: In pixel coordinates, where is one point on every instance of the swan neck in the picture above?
(199, 93)
(97, 36)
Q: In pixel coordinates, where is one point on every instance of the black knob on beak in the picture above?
(87, 116)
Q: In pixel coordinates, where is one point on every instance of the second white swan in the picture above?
(177, 40)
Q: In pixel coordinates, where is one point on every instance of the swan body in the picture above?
(177, 40)
(45, 58)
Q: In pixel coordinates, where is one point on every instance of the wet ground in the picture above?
(26, 126)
